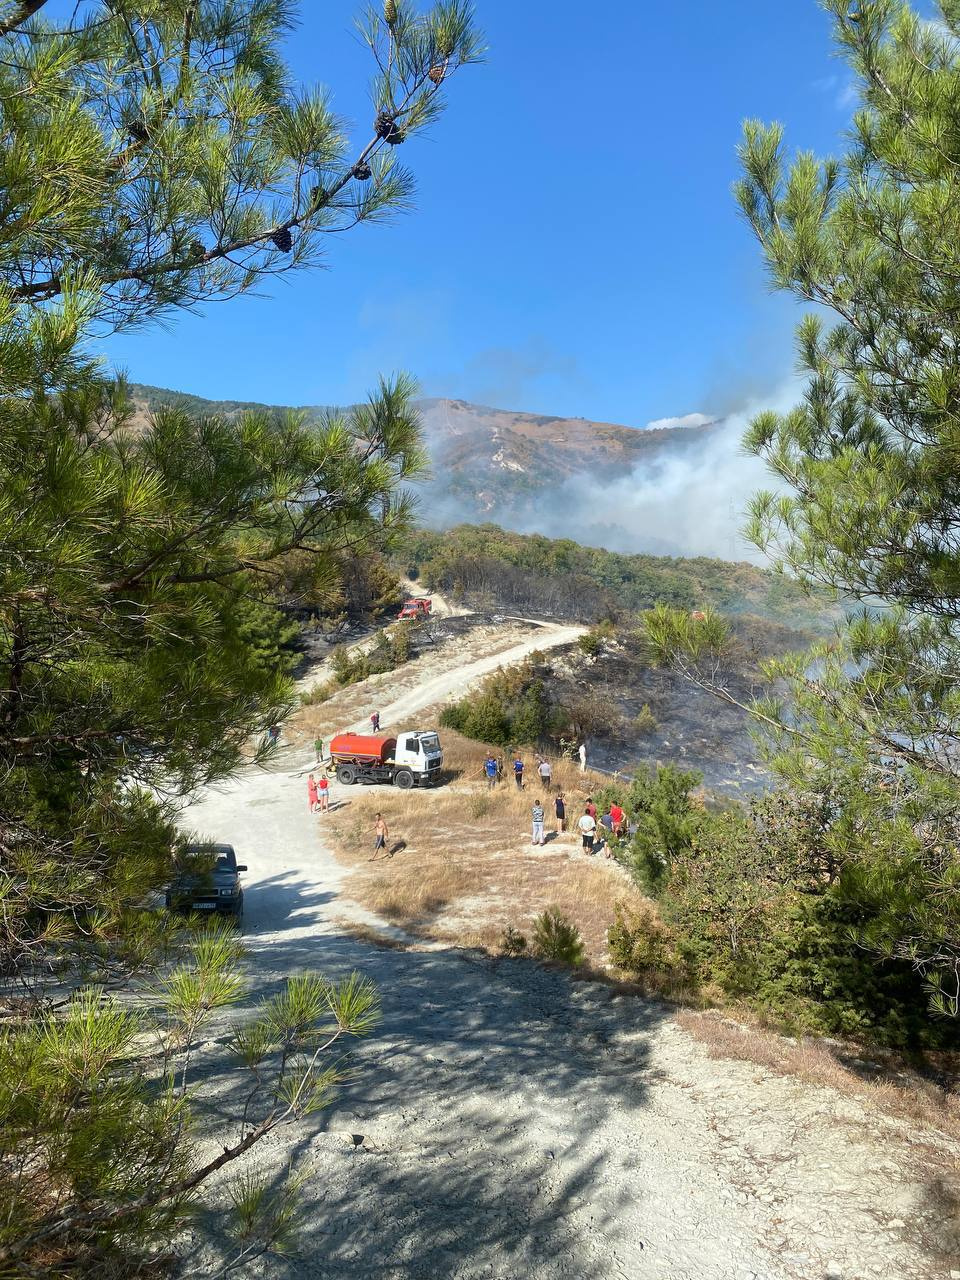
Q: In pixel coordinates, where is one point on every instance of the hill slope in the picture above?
(489, 459)
(489, 463)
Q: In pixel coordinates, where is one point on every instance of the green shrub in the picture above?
(659, 804)
(759, 910)
(513, 942)
(557, 938)
(319, 693)
(511, 706)
(644, 722)
(640, 942)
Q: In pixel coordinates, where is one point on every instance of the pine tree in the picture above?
(160, 158)
(869, 504)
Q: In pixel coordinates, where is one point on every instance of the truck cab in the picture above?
(418, 751)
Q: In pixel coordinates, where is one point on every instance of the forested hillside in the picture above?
(484, 563)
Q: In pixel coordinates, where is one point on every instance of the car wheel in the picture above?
(346, 774)
(404, 779)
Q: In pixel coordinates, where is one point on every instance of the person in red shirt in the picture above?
(312, 793)
(323, 793)
(617, 814)
(590, 808)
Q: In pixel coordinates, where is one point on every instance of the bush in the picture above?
(557, 938)
(319, 693)
(644, 722)
(640, 942)
(510, 707)
(513, 942)
(479, 805)
(759, 910)
(660, 806)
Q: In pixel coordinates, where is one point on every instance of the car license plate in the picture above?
(204, 906)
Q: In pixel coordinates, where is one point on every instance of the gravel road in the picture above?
(513, 1123)
(452, 684)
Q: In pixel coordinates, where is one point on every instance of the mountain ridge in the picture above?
(505, 464)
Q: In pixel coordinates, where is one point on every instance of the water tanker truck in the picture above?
(411, 758)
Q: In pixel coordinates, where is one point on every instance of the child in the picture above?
(537, 812)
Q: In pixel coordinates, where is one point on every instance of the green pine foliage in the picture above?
(510, 707)
(556, 938)
(270, 636)
(492, 565)
(157, 156)
(662, 811)
(864, 729)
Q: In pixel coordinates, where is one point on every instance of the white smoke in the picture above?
(688, 420)
(682, 502)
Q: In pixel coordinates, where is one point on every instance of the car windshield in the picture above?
(429, 741)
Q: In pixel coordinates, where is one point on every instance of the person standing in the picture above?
(312, 793)
(375, 722)
(591, 808)
(618, 817)
(588, 828)
(318, 748)
(323, 793)
(546, 772)
(518, 771)
(490, 769)
(381, 831)
(537, 813)
(561, 811)
(582, 753)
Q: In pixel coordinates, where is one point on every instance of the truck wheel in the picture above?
(403, 779)
(346, 774)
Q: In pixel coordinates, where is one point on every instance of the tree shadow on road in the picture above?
(480, 1101)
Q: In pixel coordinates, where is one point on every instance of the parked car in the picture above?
(214, 889)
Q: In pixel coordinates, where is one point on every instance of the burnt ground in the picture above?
(693, 729)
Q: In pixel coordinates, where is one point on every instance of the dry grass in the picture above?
(376, 937)
(464, 869)
(890, 1087)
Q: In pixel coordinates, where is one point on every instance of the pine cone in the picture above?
(283, 239)
(138, 131)
(362, 171)
(197, 249)
(387, 128)
(318, 196)
(437, 74)
(389, 12)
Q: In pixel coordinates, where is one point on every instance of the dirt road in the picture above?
(454, 682)
(517, 1124)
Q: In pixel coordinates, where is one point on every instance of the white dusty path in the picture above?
(454, 683)
(515, 1125)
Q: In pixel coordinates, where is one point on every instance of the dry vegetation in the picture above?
(888, 1083)
(460, 866)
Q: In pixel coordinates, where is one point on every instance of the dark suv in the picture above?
(212, 888)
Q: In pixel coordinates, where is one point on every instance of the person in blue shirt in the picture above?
(518, 771)
(490, 769)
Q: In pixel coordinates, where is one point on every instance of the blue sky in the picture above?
(575, 247)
